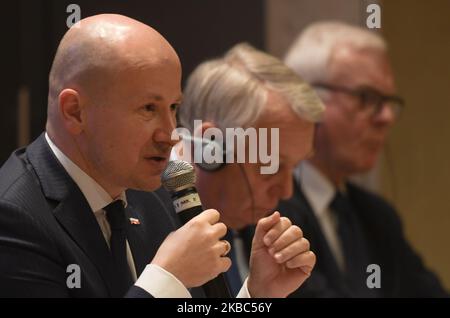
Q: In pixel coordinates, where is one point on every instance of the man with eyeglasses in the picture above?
(357, 236)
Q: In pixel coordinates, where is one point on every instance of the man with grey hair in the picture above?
(250, 90)
(360, 245)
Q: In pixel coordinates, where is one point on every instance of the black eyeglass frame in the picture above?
(368, 96)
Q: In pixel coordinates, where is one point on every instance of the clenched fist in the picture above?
(280, 260)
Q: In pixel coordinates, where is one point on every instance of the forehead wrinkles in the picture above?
(357, 67)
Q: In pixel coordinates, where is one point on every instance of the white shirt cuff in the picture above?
(244, 293)
(161, 284)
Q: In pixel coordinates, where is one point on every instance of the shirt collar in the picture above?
(95, 195)
(319, 191)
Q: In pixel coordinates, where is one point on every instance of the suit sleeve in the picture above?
(316, 286)
(137, 292)
(28, 262)
(415, 280)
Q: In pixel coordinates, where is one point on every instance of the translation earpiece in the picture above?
(208, 146)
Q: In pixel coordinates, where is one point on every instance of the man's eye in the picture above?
(174, 107)
(150, 108)
(371, 97)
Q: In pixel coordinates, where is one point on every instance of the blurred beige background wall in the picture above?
(418, 177)
(414, 173)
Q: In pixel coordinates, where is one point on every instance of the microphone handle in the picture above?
(217, 287)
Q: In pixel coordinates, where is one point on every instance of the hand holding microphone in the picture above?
(194, 253)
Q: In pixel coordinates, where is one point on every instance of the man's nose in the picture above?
(166, 130)
(385, 116)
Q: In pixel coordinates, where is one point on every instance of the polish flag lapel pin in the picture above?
(134, 221)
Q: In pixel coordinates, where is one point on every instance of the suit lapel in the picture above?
(73, 212)
(381, 244)
(75, 216)
(319, 244)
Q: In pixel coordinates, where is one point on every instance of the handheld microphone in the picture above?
(179, 180)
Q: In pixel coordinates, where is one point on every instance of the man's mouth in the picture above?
(158, 162)
(158, 158)
(375, 144)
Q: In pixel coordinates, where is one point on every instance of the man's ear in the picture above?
(71, 111)
(200, 130)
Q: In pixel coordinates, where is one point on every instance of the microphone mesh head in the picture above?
(178, 175)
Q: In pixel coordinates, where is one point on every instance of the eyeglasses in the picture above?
(371, 100)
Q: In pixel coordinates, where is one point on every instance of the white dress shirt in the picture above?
(154, 279)
(319, 192)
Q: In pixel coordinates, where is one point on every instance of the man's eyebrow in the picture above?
(155, 97)
(159, 98)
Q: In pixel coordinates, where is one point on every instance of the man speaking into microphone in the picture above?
(70, 225)
(252, 92)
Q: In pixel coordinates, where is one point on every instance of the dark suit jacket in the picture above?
(46, 224)
(403, 273)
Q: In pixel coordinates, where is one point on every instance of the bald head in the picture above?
(96, 49)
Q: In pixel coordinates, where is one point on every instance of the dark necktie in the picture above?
(354, 246)
(115, 213)
(233, 276)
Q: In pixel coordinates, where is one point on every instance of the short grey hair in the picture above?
(232, 91)
(310, 54)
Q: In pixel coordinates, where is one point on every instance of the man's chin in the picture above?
(367, 164)
(148, 185)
